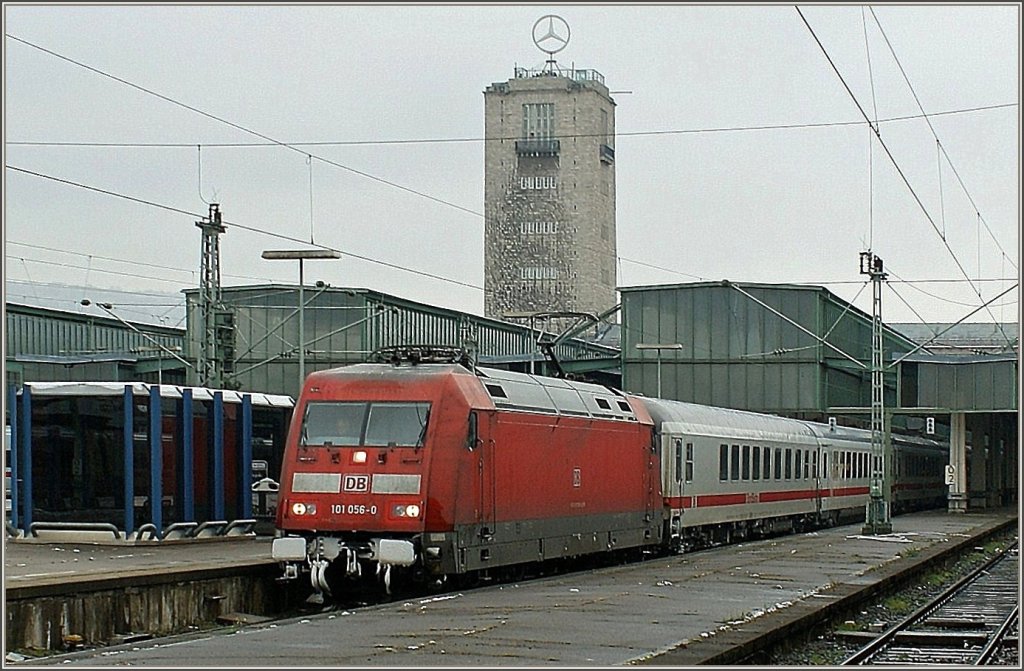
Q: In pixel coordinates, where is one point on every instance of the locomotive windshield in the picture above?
(400, 424)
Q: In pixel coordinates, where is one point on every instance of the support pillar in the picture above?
(977, 464)
(958, 461)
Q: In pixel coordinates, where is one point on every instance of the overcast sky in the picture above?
(694, 201)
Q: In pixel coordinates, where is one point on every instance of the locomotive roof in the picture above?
(517, 391)
(520, 391)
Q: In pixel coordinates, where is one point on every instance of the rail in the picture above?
(962, 625)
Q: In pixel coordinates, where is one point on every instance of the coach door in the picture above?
(819, 469)
(673, 468)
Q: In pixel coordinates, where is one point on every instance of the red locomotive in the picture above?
(430, 471)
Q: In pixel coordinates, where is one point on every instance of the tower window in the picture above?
(538, 121)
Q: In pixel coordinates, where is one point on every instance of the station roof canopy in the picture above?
(51, 389)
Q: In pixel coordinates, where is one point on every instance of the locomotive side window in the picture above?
(689, 462)
(473, 435)
(723, 462)
(757, 462)
(397, 424)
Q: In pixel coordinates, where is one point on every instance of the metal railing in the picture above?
(538, 147)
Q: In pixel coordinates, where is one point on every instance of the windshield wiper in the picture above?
(423, 431)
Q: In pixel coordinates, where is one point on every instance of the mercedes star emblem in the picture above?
(551, 34)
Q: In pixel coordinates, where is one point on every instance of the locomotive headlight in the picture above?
(299, 508)
(412, 510)
(359, 457)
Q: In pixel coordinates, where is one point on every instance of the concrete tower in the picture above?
(549, 190)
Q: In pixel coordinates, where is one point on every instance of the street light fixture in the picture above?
(659, 347)
(301, 255)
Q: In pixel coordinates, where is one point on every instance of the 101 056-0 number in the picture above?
(352, 509)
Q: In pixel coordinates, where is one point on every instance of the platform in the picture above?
(678, 610)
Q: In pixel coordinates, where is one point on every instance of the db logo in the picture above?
(356, 483)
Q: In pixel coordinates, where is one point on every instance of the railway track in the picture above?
(965, 625)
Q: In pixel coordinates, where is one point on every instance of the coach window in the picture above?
(778, 463)
(807, 464)
(814, 465)
(757, 462)
(789, 464)
(767, 463)
(689, 462)
(734, 466)
(798, 457)
(746, 462)
(824, 464)
(723, 462)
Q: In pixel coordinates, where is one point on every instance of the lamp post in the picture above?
(659, 347)
(301, 255)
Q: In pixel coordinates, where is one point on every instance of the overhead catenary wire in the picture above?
(274, 142)
(871, 158)
(253, 228)
(620, 259)
(458, 140)
(244, 227)
(238, 126)
(913, 285)
(902, 175)
(942, 147)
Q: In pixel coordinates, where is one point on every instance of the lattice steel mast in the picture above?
(210, 362)
(877, 520)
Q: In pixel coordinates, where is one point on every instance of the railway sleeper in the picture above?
(943, 638)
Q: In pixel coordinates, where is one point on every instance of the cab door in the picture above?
(486, 457)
